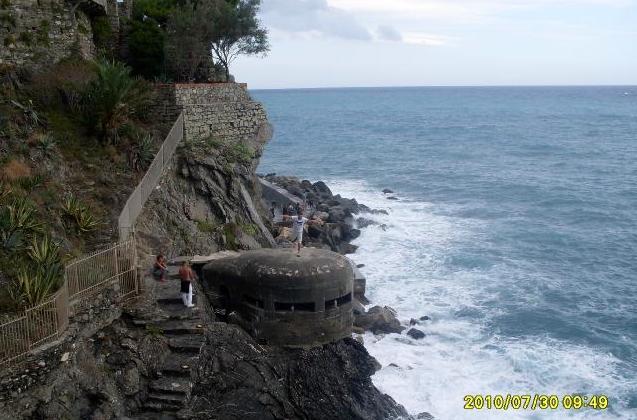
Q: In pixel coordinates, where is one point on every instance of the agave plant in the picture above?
(22, 216)
(31, 183)
(44, 252)
(46, 144)
(86, 221)
(81, 215)
(142, 154)
(32, 288)
(5, 191)
(72, 205)
(12, 241)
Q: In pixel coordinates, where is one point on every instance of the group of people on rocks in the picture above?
(186, 275)
(293, 213)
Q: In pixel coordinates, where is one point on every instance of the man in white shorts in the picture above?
(298, 224)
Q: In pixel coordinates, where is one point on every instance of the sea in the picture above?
(514, 231)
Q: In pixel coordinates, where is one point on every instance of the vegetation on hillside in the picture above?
(70, 138)
(74, 140)
(190, 40)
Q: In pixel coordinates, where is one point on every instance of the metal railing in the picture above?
(112, 268)
(136, 201)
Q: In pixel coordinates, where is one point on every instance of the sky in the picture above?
(351, 43)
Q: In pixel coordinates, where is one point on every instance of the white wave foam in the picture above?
(405, 268)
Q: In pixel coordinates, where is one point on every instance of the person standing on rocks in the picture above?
(298, 224)
(187, 276)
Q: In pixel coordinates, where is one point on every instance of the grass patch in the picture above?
(206, 226)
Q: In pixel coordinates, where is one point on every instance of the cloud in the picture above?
(388, 33)
(425, 39)
(312, 17)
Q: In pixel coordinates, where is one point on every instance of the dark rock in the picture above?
(117, 359)
(387, 191)
(413, 321)
(416, 334)
(379, 320)
(302, 383)
(363, 222)
(357, 307)
(425, 416)
(322, 188)
(424, 318)
(360, 265)
(392, 198)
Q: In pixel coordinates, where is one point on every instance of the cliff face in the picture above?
(210, 197)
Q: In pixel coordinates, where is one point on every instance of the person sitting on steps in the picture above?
(159, 268)
(187, 276)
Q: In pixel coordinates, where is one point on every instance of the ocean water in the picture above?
(515, 231)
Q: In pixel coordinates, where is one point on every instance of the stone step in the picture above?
(178, 365)
(177, 311)
(174, 300)
(187, 344)
(158, 407)
(144, 322)
(177, 327)
(173, 399)
(174, 386)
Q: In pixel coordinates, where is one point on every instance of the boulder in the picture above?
(424, 318)
(322, 189)
(363, 222)
(387, 191)
(379, 320)
(416, 334)
(392, 198)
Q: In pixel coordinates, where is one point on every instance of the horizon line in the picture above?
(445, 86)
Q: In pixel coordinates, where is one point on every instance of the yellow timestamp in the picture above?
(534, 402)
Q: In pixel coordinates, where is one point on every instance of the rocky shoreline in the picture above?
(342, 220)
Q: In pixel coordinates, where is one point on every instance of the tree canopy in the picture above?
(236, 31)
(194, 40)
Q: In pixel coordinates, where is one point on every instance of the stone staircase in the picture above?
(184, 329)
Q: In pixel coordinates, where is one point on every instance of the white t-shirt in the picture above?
(297, 224)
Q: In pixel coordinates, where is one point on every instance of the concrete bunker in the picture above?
(282, 299)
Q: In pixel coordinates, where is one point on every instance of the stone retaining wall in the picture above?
(224, 111)
(38, 33)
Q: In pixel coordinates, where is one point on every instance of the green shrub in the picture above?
(113, 98)
(46, 144)
(102, 35)
(146, 46)
(142, 152)
(8, 19)
(63, 86)
(239, 152)
(213, 142)
(42, 33)
(26, 38)
(206, 226)
(9, 40)
(30, 183)
(250, 229)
